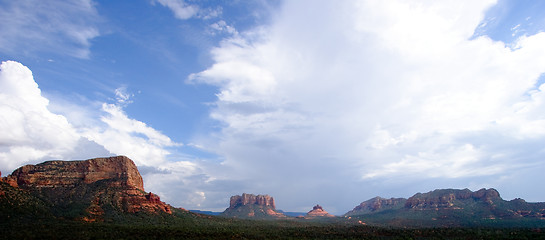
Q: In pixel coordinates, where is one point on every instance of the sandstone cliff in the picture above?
(90, 189)
(318, 211)
(252, 206)
(120, 169)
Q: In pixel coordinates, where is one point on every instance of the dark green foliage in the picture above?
(190, 226)
(19, 206)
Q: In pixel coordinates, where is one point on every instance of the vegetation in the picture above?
(202, 227)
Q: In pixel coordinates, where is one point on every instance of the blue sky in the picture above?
(328, 102)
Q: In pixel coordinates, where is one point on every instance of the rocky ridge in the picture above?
(448, 198)
(377, 204)
(448, 207)
(90, 188)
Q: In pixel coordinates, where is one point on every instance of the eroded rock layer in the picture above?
(120, 170)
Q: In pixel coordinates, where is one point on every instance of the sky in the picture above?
(312, 102)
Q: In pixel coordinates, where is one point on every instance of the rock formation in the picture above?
(446, 198)
(318, 211)
(120, 170)
(245, 199)
(93, 186)
(252, 206)
(377, 204)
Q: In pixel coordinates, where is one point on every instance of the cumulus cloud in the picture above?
(336, 95)
(125, 136)
(38, 26)
(30, 132)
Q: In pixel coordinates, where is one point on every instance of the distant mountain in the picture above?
(205, 212)
(292, 214)
(252, 206)
(89, 190)
(450, 207)
(377, 204)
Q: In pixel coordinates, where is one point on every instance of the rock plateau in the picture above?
(252, 206)
(449, 198)
(377, 204)
(90, 188)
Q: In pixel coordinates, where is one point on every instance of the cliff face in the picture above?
(252, 206)
(120, 170)
(91, 189)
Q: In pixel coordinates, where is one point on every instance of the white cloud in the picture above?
(221, 26)
(183, 10)
(52, 26)
(30, 132)
(125, 136)
(122, 97)
(335, 91)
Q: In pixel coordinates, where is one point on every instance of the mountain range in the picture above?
(111, 189)
(450, 207)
